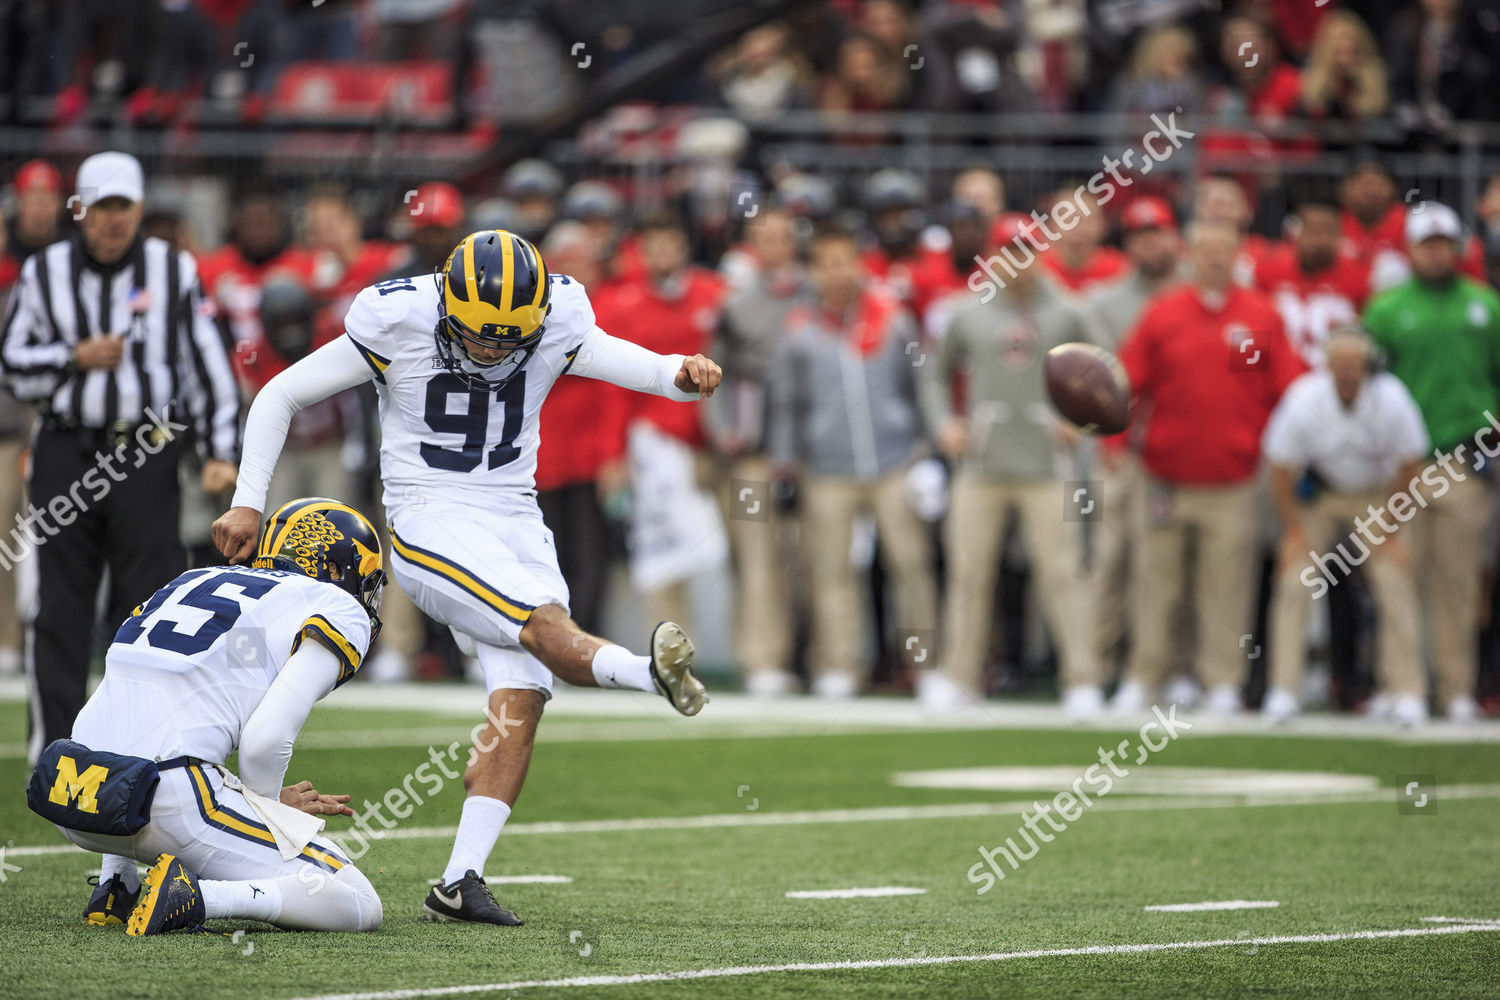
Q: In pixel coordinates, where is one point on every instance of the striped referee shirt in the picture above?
(176, 358)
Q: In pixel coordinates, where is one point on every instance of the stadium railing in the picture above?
(634, 146)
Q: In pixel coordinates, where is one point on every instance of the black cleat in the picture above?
(170, 900)
(111, 903)
(467, 900)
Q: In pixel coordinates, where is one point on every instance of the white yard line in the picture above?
(630, 716)
(1223, 904)
(900, 963)
(872, 814)
(1453, 920)
(870, 893)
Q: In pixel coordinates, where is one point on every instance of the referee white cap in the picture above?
(110, 175)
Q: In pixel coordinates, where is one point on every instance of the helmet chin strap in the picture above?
(468, 362)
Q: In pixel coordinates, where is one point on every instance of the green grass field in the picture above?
(652, 899)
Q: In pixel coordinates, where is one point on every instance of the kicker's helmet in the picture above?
(329, 541)
(495, 297)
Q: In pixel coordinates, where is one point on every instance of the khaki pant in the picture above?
(1224, 520)
(831, 506)
(12, 502)
(1115, 532)
(975, 530)
(1448, 555)
(1328, 521)
(1116, 536)
(762, 584)
(671, 603)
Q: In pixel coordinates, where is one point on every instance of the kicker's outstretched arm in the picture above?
(630, 366)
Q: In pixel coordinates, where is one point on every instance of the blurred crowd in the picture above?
(1425, 64)
(882, 477)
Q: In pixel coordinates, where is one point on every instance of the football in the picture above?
(1088, 386)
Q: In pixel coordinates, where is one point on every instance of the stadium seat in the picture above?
(358, 93)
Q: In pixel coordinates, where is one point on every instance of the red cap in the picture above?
(436, 204)
(1149, 212)
(37, 174)
(1008, 227)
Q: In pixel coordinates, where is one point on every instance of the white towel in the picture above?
(292, 828)
(676, 531)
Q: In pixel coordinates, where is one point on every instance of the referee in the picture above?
(106, 335)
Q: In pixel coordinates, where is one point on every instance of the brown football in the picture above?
(1088, 385)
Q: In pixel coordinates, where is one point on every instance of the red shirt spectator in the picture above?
(1278, 95)
(1296, 24)
(1313, 303)
(1260, 86)
(286, 331)
(626, 265)
(583, 419)
(37, 185)
(233, 282)
(1077, 257)
(1222, 198)
(1212, 372)
(918, 280)
(1254, 249)
(582, 422)
(1101, 265)
(10, 268)
(339, 281)
(1362, 243)
(675, 318)
(344, 263)
(1262, 91)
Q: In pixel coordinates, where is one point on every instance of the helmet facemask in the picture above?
(369, 592)
(453, 343)
(494, 295)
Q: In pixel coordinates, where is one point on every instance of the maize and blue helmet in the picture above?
(495, 295)
(329, 541)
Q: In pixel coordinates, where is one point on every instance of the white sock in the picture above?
(256, 898)
(482, 820)
(311, 900)
(115, 864)
(617, 667)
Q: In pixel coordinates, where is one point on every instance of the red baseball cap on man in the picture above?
(1149, 212)
(37, 175)
(436, 204)
(1008, 227)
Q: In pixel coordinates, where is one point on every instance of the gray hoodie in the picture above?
(750, 331)
(839, 410)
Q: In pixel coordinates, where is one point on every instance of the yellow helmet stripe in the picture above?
(311, 507)
(471, 282)
(279, 519)
(290, 523)
(508, 272)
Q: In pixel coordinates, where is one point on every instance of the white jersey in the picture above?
(438, 434)
(187, 670)
(440, 438)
